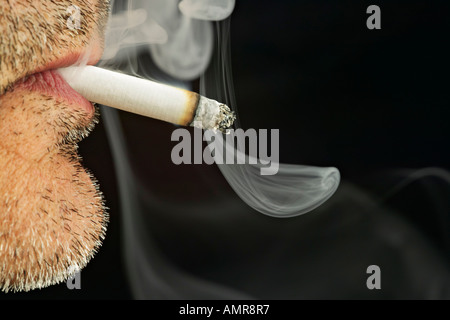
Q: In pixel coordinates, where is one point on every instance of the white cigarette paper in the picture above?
(148, 98)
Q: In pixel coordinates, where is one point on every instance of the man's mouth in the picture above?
(48, 81)
(51, 83)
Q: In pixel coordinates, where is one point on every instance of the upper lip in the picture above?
(69, 60)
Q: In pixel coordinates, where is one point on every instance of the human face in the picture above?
(52, 217)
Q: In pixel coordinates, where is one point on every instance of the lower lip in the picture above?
(51, 83)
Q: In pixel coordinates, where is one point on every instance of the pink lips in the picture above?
(47, 80)
(51, 83)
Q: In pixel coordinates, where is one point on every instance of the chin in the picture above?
(52, 214)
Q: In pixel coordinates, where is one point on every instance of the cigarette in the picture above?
(148, 98)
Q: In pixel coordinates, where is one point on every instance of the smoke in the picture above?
(177, 34)
(186, 42)
(181, 47)
(179, 37)
(150, 275)
(295, 189)
(213, 10)
(129, 29)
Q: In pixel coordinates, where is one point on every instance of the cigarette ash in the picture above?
(213, 115)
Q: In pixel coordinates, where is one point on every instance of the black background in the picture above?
(364, 101)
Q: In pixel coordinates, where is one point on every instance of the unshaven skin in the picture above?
(52, 217)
